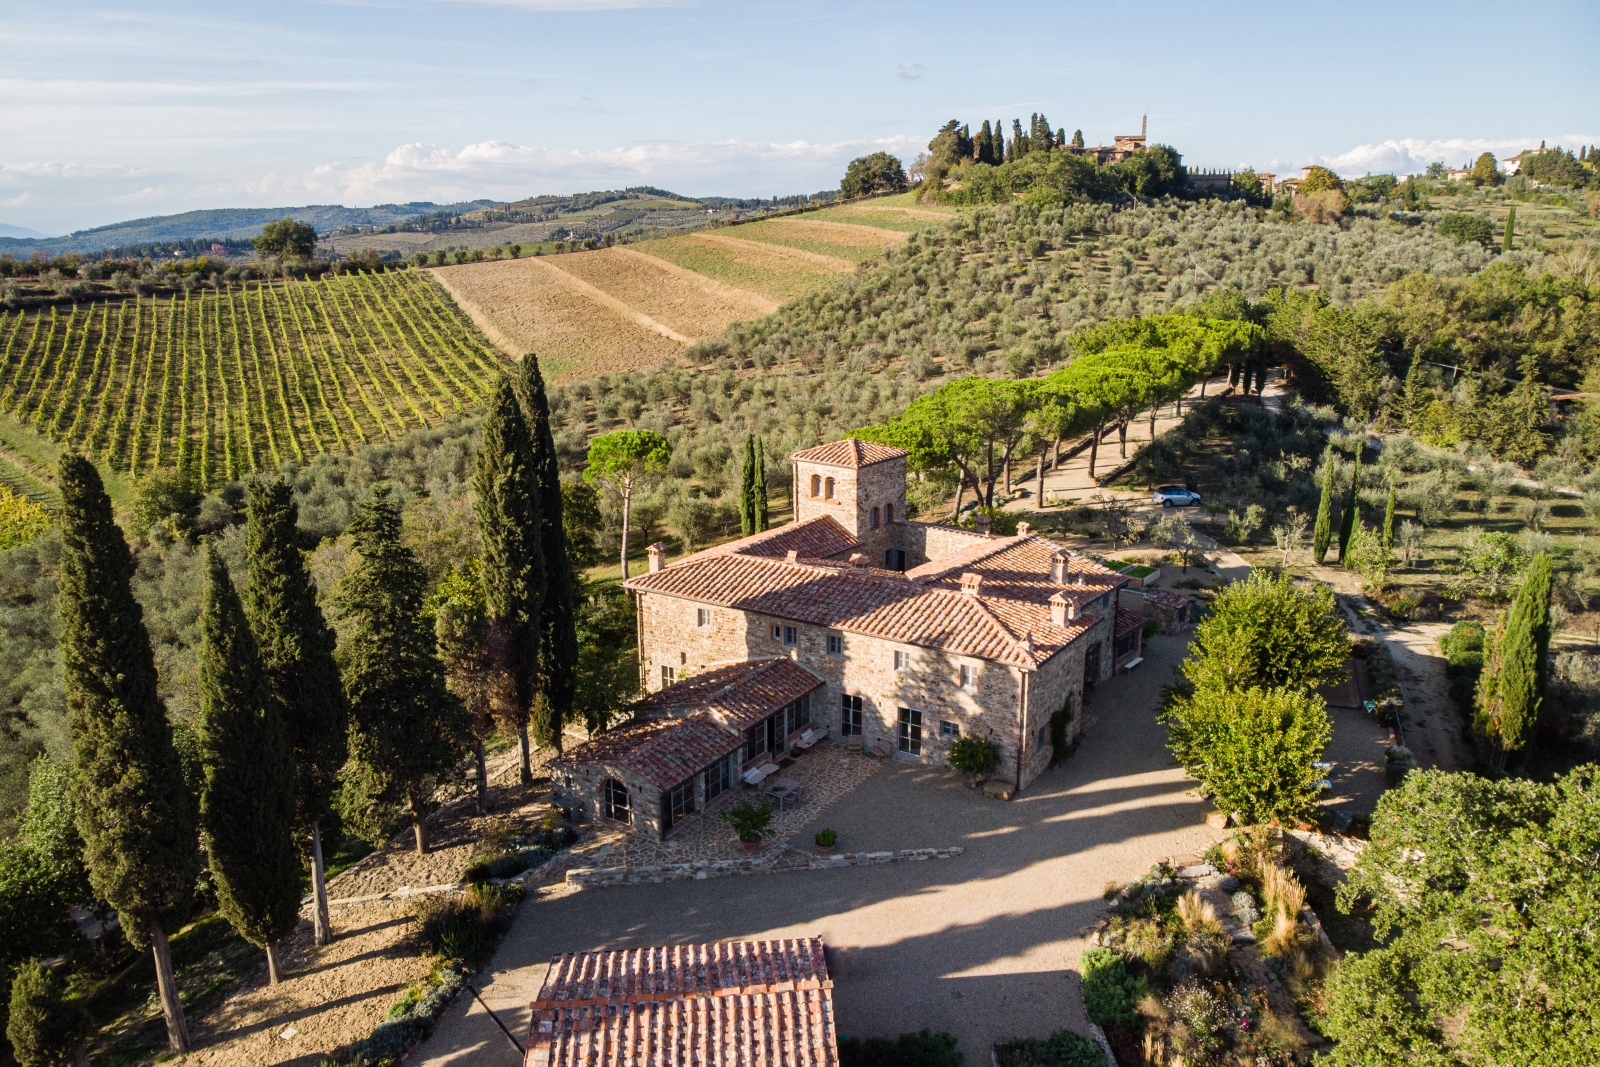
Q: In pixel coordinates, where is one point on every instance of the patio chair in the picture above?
(810, 737)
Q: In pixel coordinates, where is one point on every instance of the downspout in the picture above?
(1022, 725)
(638, 638)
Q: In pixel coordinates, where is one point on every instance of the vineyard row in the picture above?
(220, 383)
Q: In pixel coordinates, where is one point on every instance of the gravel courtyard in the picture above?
(981, 945)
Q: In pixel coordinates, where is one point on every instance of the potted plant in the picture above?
(826, 840)
(748, 821)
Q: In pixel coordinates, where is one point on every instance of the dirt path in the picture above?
(1433, 724)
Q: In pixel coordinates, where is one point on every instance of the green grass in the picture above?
(793, 280)
(796, 236)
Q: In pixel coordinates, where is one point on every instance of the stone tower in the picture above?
(860, 485)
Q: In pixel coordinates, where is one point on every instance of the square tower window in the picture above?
(827, 488)
(816, 485)
(874, 518)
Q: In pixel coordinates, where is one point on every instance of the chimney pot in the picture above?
(1023, 528)
(983, 525)
(1058, 568)
(1081, 580)
(971, 583)
(857, 559)
(792, 557)
(658, 556)
(1062, 609)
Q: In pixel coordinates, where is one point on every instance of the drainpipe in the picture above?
(1022, 725)
(638, 638)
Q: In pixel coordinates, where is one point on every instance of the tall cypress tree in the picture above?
(558, 615)
(998, 145)
(1413, 395)
(1322, 531)
(406, 731)
(137, 818)
(510, 531)
(1511, 222)
(1536, 586)
(296, 647)
(747, 488)
(247, 806)
(1511, 688)
(1388, 518)
(985, 143)
(760, 509)
(1352, 507)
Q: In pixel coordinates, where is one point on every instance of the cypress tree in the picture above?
(558, 615)
(1511, 688)
(296, 647)
(247, 805)
(1511, 222)
(511, 533)
(406, 731)
(1322, 531)
(1077, 138)
(998, 146)
(1536, 583)
(985, 143)
(1388, 519)
(1413, 396)
(747, 488)
(1352, 508)
(461, 629)
(136, 816)
(760, 488)
(45, 1028)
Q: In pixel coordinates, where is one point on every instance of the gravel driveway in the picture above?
(980, 945)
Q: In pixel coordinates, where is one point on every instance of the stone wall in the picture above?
(924, 542)
(643, 795)
(792, 860)
(856, 491)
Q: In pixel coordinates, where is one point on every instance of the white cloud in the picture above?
(1413, 154)
(910, 71)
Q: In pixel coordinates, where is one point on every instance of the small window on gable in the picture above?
(969, 677)
(888, 513)
(702, 617)
(777, 633)
(835, 645)
(816, 485)
(827, 489)
(902, 660)
(874, 518)
(1044, 736)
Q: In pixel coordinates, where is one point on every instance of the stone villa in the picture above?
(851, 622)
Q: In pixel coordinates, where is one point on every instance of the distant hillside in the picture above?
(19, 231)
(235, 223)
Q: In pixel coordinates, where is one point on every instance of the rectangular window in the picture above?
(788, 635)
(777, 633)
(909, 731)
(718, 779)
(677, 804)
(666, 674)
(850, 716)
(948, 731)
(874, 518)
(894, 559)
(835, 645)
(969, 677)
(1044, 736)
(888, 513)
(702, 617)
(902, 660)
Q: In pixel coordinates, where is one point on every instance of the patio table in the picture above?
(785, 791)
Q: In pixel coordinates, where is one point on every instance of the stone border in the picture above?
(701, 870)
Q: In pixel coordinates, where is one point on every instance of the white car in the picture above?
(1169, 496)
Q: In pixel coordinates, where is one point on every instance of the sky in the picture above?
(113, 111)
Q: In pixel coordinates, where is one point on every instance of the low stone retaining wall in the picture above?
(1335, 854)
(792, 860)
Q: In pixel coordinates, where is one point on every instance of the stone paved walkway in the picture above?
(828, 771)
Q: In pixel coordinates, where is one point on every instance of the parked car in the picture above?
(1169, 496)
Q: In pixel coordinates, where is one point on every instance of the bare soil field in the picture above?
(775, 272)
(836, 240)
(691, 305)
(524, 307)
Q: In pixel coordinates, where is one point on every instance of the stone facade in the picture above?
(867, 501)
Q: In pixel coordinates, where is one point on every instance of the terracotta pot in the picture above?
(750, 846)
(828, 850)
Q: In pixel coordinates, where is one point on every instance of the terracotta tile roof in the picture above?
(744, 1004)
(923, 608)
(849, 453)
(740, 694)
(664, 751)
(813, 539)
(1128, 621)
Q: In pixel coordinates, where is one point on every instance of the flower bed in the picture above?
(1219, 963)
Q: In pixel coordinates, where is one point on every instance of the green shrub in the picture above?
(748, 820)
(1064, 1048)
(921, 1049)
(1110, 993)
(465, 927)
(828, 838)
(1465, 228)
(973, 755)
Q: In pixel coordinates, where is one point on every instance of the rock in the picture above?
(1198, 870)
(1217, 820)
(998, 789)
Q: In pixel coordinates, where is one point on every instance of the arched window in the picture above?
(816, 485)
(614, 801)
(888, 513)
(827, 489)
(874, 518)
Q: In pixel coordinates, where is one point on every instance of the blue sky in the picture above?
(115, 111)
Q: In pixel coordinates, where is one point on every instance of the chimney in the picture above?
(792, 557)
(1023, 528)
(1027, 642)
(971, 583)
(983, 525)
(1058, 568)
(1062, 609)
(857, 559)
(1081, 580)
(658, 556)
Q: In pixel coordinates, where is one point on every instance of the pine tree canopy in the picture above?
(558, 648)
(405, 730)
(510, 530)
(296, 647)
(247, 808)
(138, 820)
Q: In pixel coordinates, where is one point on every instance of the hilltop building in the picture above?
(1121, 147)
(854, 623)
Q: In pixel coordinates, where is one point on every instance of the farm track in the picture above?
(222, 383)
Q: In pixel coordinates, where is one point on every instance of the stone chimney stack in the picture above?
(658, 556)
(971, 583)
(857, 559)
(983, 525)
(1023, 528)
(792, 557)
(1058, 568)
(1081, 579)
(1062, 609)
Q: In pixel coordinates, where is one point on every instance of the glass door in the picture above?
(909, 731)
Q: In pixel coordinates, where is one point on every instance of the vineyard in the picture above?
(219, 383)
